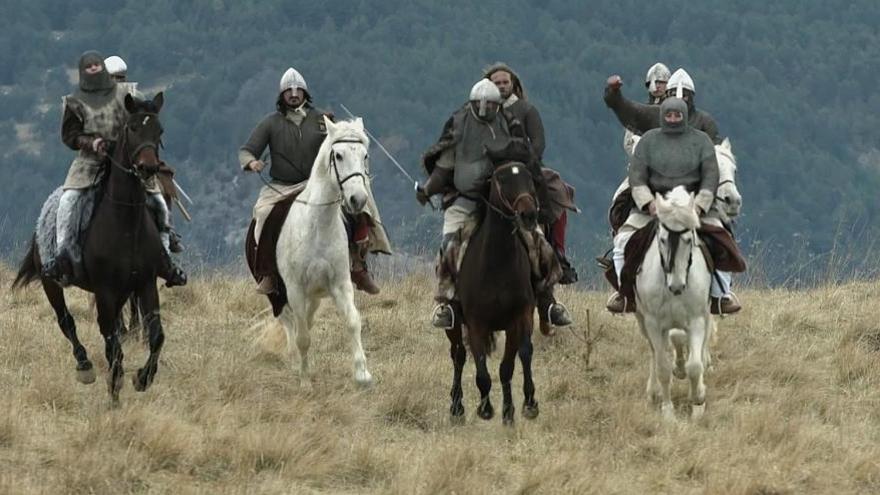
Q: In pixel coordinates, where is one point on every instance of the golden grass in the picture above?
(793, 404)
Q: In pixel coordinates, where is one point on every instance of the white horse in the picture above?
(312, 250)
(672, 290)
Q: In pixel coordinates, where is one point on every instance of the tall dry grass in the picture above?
(793, 404)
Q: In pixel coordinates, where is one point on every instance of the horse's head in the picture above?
(728, 201)
(512, 193)
(142, 134)
(676, 236)
(349, 160)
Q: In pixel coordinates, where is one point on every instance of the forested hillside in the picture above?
(794, 84)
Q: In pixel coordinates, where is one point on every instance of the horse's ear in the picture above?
(129, 103)
(330, 125)
(726, 144)
(359, 123)
(158, 100)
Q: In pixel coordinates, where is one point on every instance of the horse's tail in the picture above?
(28, 271)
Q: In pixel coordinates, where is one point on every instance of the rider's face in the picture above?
(94, 68)
(503, 82)
(660, 89)
(673, 117)
(294, 98)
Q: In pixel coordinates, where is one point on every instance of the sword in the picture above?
(185, 213)
(182, 192)
(388, 154)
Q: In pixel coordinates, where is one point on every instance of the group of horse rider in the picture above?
(676, 148)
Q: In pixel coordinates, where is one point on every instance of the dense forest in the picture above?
(793, 84)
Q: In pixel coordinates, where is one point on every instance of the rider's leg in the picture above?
(266, 283)
(172, 273)
(457, 221)
(65, 233)
(358, 227)
(722, 300)
(549, 272)
(556, 236)
(616, 302)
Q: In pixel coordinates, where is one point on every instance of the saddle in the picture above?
(719, 250)
(261, 257)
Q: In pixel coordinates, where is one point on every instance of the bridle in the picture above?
(511, 214)
(136, 168)
(339, 180)
(674, 242)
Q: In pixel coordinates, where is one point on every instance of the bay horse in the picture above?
(312, 249)
(495, 291)
(672, 290)
(122, 252)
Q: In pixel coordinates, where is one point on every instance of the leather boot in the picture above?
(726, 305)
(618, 304)
(443, 316)
(359, 274)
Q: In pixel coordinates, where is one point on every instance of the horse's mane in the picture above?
(677, 211)
(345, 129)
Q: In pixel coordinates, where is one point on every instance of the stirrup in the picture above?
(550, 314)
(451, 312)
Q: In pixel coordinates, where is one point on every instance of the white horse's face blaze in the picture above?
(350, 160)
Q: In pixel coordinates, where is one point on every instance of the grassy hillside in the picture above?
(793, 404)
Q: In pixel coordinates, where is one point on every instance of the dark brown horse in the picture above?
(496, 293)
(122, 251)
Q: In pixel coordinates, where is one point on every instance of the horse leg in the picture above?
(530, 405)
(295, 321)
(679, 343)
(135, 325)
(343, 296)
(484, 380)
(108, 312)
(697, 331)
(148, 304)
(662, 366)
(85, 372)
(653, 387)
(505, 371)
(459, 355)
(711, 337)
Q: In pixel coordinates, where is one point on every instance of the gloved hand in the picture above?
(422, 195)
(614, 82)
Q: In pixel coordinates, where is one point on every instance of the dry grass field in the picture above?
(793, 404)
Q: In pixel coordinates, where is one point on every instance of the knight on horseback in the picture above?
(294, 134)
(554, 219)
(475, 138)
(118, 70)
(676, 154)
(93, 118)
(655, 82)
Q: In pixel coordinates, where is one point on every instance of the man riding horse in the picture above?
(294, 133)
(555, 214)
(655, 82)
(676, 154)
(639, 119)
(477, 136)
(93, 118)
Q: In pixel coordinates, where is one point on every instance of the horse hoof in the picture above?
(456, 410)
(668, 412)
(364, 379)
(697, 411)
(507, 416)
(141, 380)
(85, 373)
(530, 411)
(486, 411)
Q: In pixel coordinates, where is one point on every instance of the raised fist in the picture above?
(614, 82)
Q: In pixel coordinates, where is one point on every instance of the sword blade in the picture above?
(381, 147)
(182, 192)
